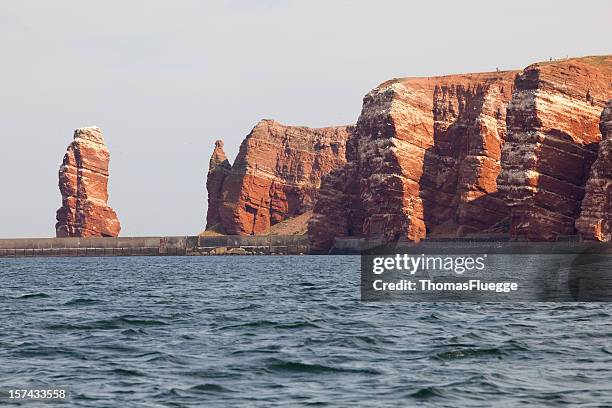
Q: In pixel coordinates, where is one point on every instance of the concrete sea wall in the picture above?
(155, 246)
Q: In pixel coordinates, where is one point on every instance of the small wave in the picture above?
(256, 324)
(427, 392)
(61, 326)
(570, 306)
(432, 317)
(34, 296)
(161, 357)
(591, 316)
(461, 353)
(298, 367)
(470, 336)
(121, 322)
(298, 325)
(107, 324)
(119, 347)
(143, 322)
(180, 315)
(126, 372)
(209, 388)
(276, 325)
(357, 342)
(516, 345)
(293, 366)
(250, 306)
(366, 340)
(45, 351)
(134, 332)
(266, 350)
(172, 393)
(81, 302)
(212, 373)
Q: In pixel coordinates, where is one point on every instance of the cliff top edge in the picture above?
(603, 62)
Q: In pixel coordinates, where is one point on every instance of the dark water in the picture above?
(283, 331)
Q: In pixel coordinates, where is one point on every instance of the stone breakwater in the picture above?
(154, 246)
(275, 177)
(83, 184)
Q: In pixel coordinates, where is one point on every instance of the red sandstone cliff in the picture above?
(423, 160)
(275, 177)
(495, 152)
(442, 156)
(553, 132)
(83, 183)
(595, 221)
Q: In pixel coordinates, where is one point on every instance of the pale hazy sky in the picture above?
(164, 79)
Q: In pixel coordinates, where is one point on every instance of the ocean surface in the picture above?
(283, 331)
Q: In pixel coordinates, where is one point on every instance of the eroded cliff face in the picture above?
(276, 176)
(423, 160)
(83, 184)
(500, 152)
(472, 154)
(339, 211)
(595, 221)
(553, 133)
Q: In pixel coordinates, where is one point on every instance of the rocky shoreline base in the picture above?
(155, 246)
(262, 245)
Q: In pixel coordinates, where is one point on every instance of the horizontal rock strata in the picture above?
(471, 154)
(83, 184)
(276, 176)
(595, 221)
(553, 133)
(423, 160)
(451, 156)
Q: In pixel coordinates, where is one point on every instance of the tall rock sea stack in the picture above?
(423, 160)
(595, 221)
(553, 133)
(275, 177)
(83, 183)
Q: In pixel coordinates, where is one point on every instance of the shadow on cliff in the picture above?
(451, 170)
(563, 169)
